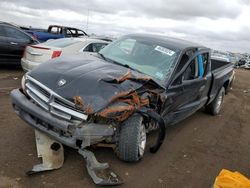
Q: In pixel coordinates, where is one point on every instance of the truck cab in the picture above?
(56, 32)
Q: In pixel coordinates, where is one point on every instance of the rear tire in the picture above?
(215, 106)
(132, 139)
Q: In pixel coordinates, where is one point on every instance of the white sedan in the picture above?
(34, 55)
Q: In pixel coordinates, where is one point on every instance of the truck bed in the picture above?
(215, 64)
(221, 72)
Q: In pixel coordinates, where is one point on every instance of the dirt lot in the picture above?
(192, 155)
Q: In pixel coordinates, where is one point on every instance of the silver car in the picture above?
(34, 55)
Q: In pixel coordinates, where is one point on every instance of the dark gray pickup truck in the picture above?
(135, 85)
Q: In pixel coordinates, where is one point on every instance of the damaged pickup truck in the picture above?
(137, 84)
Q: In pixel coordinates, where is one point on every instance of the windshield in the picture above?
(145, 56)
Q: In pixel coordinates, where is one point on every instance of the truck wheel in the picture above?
(215, 106)
(132, 139)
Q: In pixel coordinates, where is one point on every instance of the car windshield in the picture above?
(143, 55)
(61, 43)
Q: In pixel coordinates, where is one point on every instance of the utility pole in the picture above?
(87, 22)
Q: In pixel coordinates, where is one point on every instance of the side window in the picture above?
(68, 33)
(73, 32)
(54, 30)
(89, 48)
(80, 33)
(59, 31)
(96, 47)
(14, 33)
(205, 61)
(192, 71)
(197, 67)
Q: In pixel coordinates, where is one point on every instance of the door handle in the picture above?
(13, 43)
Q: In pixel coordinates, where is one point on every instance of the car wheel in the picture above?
(215, 106)
(132, 139)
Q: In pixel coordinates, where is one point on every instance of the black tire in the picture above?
(131, 133)
(215, 106)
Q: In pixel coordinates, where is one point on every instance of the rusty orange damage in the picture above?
(130, 100)
(126, 76)
(119, 113)
(124, 104)
(79, 103)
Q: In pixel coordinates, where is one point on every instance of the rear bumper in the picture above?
(63, 131)
(28, 65)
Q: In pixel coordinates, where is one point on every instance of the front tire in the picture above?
(215, 106)
(132, 139)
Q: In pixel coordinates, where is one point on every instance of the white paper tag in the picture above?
(164, 50)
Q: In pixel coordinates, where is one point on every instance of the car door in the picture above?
(188, 92)
(17, 41)
(4, 46)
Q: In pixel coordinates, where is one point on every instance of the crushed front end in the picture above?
(57, 117)
(78, 124)
(57, 120)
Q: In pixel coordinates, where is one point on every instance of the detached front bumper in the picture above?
(61, 130)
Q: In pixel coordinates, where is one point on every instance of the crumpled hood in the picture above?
(85, 77)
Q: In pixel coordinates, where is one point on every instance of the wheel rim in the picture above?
(142, 140)
(219, 102)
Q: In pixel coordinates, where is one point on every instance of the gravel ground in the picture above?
(192, 155)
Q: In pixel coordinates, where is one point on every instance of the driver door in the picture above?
(189, 90)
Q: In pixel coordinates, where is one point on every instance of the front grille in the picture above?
(52, 102)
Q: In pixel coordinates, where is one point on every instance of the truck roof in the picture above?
(173, 43)
(63, 27)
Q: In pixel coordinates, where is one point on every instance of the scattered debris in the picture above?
(245, 91)
(100, 173)
(160, 180)
(18, 179)
(51, 152)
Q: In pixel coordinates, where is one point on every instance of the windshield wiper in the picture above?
(124, 65)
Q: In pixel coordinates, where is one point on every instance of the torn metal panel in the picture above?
(131, 99)
(50, 151)
(126, 76)
(147, 93)
(119, 113)
(100, 173)
(79, 104)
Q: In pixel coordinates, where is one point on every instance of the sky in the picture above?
(217, 24)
